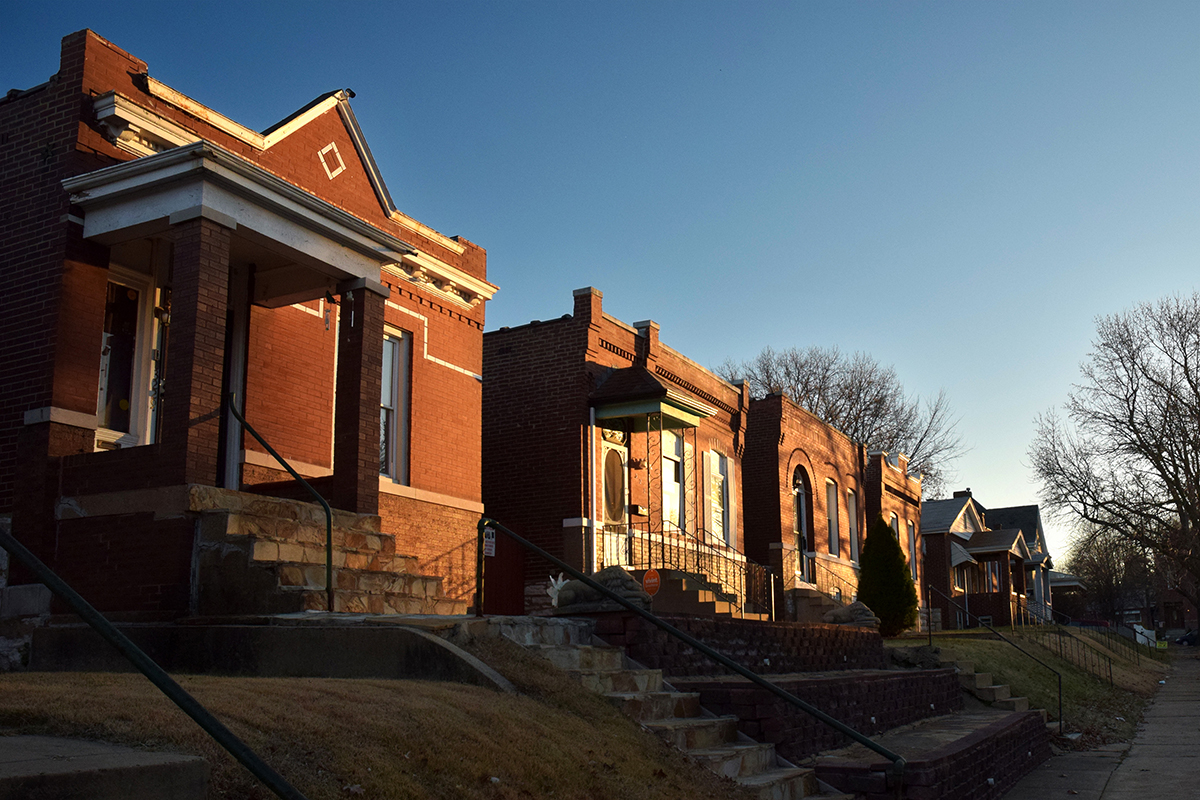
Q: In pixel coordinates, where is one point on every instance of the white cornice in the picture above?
(136, 130)
(208, 162)
(445, 241)
(443, 279)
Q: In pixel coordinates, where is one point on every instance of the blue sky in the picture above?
(958, 189)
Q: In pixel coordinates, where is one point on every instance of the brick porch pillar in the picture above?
(191, 423)
(359, 376)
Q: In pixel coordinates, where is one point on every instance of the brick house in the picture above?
(982, 570)
(606, 447)
(810, 493)
(1039, 600)
(163, 265)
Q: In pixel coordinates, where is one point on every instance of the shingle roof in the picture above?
(938, 515)
(1027, 518)
(630, 383)
(1007, 540)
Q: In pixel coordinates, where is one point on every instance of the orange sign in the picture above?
(651, 582)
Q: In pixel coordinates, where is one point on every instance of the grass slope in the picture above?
(377, 738)
(1103, 713)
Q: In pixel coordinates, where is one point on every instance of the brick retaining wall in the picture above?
(868, 702)
(761, 647)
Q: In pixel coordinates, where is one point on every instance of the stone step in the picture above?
(308, 576)
(961, 666)
(643, 706)
(785, 783)
(582, 656)
(992, 694)
(736, 759)
(355, 602)
(695, 733)
(626, 680)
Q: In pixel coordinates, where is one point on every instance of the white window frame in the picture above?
(718, 465)
(852, 522)
(912, 548)
(834, 545)
(140, 416)
(400, 433)
(673, 491)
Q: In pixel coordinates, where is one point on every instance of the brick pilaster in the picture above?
(356, 423)
(196, 356)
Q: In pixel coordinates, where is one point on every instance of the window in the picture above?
(720, 490)
(394, 406)
(801, 509)
(831, 512)
(894, 524)
(133, 349)
(852, 522)
(672, 480)
(912, 549)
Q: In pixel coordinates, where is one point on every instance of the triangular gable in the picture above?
(968, 521)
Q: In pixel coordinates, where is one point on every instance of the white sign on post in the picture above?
(489, 542)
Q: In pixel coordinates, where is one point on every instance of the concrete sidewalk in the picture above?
(1163, 760)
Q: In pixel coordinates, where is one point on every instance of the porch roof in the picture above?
(1008, 540)
(959, 555)
(637, 392)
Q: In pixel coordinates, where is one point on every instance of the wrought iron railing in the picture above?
(148, 667)
(1069, 647)
(487, 531)
(705, 558)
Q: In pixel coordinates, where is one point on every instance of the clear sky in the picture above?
(956, 188)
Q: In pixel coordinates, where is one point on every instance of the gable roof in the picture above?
(1027, 518)
(1007, 540)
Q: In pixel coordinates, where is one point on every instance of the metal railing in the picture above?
(147, 666)
(1068, 646)
(929, 590)
(706, 558)
(487, 530)
(324, 504)
(831, 584)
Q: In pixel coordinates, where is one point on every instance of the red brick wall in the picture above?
(441, 537)
(537, 380)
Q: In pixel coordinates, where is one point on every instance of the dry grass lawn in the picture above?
(379, 738)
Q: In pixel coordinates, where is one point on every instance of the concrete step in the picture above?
(993, 694)
(736, 759)
(961, 666)
(695, 733)
(1013, 703)
(626, 680)
(587, 657)
(974, 680)
(312, 576)
(643, 706)
(47, 767)
(785, 783)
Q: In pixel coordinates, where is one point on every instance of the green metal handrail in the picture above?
(929, 602)
(156, 674)
(486, 523)
(311, 490)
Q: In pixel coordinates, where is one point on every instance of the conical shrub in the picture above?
(885, 584)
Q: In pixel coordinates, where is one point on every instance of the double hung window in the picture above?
(394, 417)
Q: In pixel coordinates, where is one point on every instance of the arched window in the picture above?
(852, 522)
(894, 524)
(802, 510)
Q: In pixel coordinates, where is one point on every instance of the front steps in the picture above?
(678, 719)
(681, 593)
(980, 686)
(266, 555)
(807, 604)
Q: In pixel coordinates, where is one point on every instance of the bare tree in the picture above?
(1117, 574)
(1126, 459)
(864, 400)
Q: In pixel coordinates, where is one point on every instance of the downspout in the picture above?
(589, 560)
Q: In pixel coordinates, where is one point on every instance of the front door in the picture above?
(613, 547)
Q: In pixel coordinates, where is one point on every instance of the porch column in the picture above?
(191, 420)
(359, 377)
